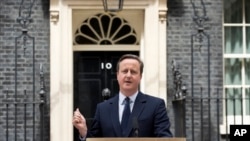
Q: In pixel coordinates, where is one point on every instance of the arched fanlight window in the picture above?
(105, 29)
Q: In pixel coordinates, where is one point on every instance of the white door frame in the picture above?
(152, 50)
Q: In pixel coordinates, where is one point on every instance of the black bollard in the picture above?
(179, 114)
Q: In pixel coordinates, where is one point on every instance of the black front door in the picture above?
(94, 71)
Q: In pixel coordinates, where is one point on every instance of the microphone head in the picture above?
(135, 127)
(106, 93)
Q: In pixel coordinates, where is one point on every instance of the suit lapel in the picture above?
(115, 115)
(137, 109)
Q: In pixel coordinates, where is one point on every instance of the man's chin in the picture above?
(129, 89)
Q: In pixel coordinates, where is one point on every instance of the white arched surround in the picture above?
(152, 51)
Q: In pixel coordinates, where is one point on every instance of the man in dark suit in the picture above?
(146, 117)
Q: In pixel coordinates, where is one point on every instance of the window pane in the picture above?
(234, 101)
(233, 11)
(248, 38)
(248, 101)
(247, 71)
(247, 9)
(233, 40)
(232, 71)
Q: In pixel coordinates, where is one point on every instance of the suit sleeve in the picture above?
(161, 122)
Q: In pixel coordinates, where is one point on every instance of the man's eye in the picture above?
(133, 72)
(125, 71)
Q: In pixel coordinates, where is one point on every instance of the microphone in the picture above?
(135, 127)
(106, 94)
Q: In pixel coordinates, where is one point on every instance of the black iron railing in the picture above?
(23, 105)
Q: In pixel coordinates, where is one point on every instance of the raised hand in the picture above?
(79, 122)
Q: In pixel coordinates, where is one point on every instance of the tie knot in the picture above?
(127, 99)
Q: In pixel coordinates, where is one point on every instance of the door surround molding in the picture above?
(152, 50)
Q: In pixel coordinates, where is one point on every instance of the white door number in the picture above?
(106, 65)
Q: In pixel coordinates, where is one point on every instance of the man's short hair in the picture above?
(130, 56)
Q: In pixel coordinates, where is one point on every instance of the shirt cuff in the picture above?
(82, 138)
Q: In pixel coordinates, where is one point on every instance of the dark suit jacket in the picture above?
(150, 112)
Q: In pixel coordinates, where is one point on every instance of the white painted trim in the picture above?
(162, 57)
(108, 48)
(151, 50)
(61, 80)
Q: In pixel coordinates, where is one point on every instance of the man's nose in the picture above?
(128, 73)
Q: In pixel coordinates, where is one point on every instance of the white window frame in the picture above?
(230, 119)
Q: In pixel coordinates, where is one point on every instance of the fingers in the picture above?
(78, 117)
(78, 113)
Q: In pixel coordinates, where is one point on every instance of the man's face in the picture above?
(129, 76)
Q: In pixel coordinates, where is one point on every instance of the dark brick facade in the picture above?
(179, 30)
(10, 29)
(180, 27)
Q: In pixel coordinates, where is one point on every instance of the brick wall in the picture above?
(10, 30)
(180, 28)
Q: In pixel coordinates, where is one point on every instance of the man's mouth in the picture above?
(128, 82)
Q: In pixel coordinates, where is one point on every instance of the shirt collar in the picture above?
(132, 97)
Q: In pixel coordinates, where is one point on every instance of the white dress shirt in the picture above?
(122, 103)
